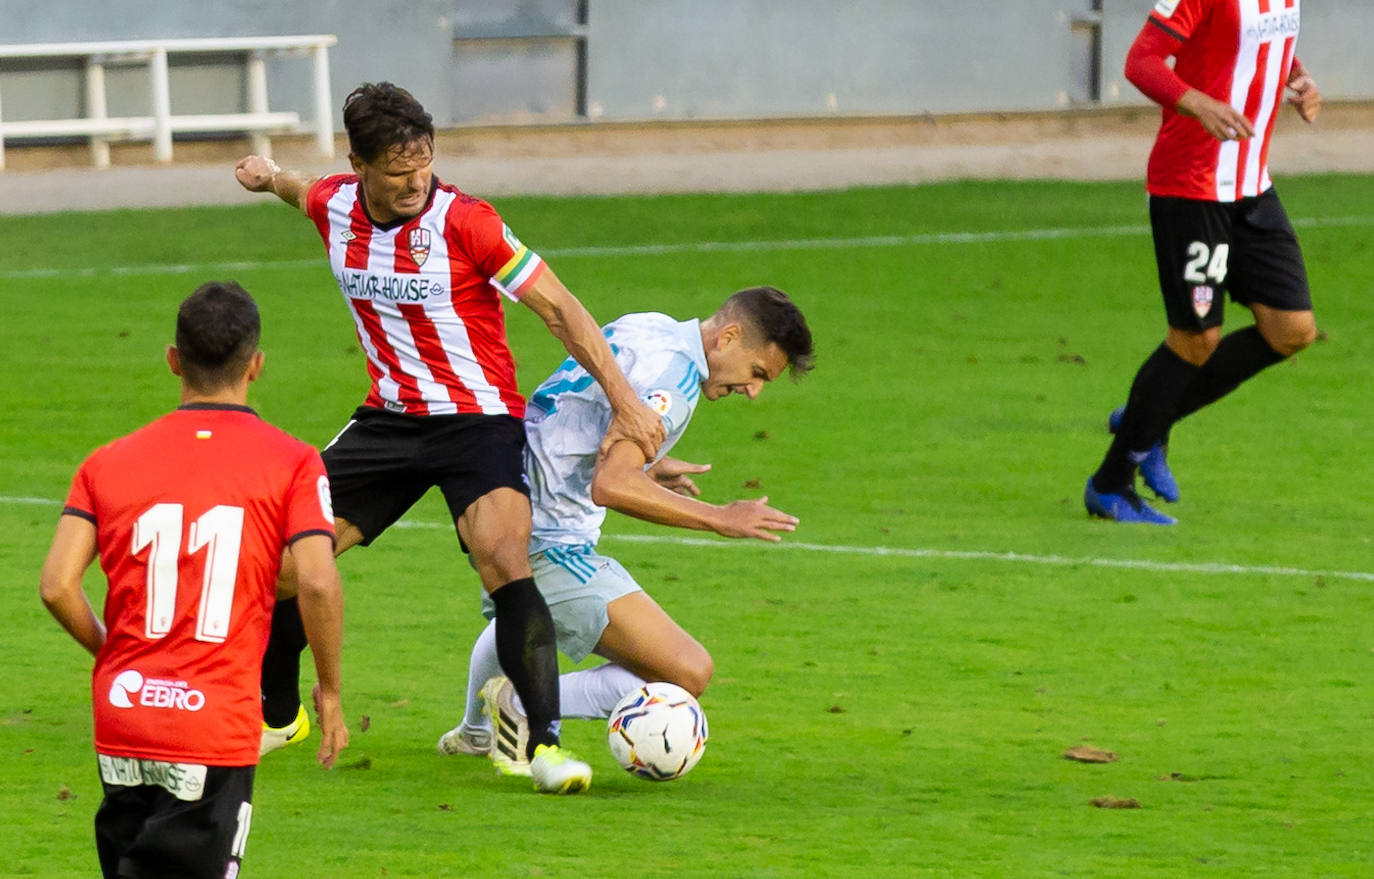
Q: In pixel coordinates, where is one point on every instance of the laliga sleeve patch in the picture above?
(659, 401)
(671, 406)
(326, 498)
(1165, 8)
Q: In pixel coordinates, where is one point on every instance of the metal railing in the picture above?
(100, 128)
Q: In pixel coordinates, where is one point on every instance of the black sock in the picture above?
(1239, 356)
(1150, 410)
(528, 651)
(281, 665)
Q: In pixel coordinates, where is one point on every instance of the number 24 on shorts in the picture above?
(1200, 255)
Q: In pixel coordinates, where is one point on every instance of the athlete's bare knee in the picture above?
(1194, 347)
(500, 564)
(695, 673)
(1292, 337)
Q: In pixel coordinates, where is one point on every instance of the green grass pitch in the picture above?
(874, 714)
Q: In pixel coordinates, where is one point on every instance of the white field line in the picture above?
(1005, 235)
(901, 552)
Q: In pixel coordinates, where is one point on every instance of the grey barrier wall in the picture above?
(504, 61)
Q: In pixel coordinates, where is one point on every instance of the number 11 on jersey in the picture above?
(219, 531)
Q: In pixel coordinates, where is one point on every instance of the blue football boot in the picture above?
(1154, 464)
(1122, 506)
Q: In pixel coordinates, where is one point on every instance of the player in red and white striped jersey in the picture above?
(1219, 227)
(422, 267)
(190, 516)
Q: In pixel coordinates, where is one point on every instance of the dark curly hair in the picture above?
(776, 318)
(217, 335)
(381, 117)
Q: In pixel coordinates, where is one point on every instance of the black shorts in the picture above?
(382, 462)
(1206, 250)
(144, 832)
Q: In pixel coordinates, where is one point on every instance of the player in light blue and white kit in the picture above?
(596, 605)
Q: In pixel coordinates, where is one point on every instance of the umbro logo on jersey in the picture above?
(419, 245)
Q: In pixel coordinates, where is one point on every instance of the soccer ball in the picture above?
(657, 732)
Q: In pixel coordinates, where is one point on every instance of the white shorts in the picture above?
(578, 583)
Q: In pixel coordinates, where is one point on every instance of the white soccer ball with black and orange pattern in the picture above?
(658, 732)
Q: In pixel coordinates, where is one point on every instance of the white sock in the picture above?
(593, 692)
(590, 693)
(482, 667)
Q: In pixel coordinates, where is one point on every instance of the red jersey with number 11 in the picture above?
(192, 513)
(1236, 51)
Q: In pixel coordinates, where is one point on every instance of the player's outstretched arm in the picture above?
(321, 604)
(572, 325)
(621, 484)
(260, 174)
(73, 549)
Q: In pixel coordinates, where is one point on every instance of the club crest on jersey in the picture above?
(419, 245)
(347, 236)
(659, 401)
(1202, 300)
(1166, 7)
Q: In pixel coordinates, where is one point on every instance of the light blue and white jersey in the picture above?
(568, 414)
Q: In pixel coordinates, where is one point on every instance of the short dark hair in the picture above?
(778, 320)
(380, 116)
(217, 335)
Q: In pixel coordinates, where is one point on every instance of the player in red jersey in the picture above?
(422, 267)
(1219, 227)
(190, 516)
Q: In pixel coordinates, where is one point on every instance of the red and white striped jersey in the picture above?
(1237, 51)
(424, 296)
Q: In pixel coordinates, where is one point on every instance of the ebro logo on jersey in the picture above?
(153, 693)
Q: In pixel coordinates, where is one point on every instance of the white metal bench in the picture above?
(100, 128)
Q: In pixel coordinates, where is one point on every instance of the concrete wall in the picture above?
(666, 59)
(555, 60)
(729, 58)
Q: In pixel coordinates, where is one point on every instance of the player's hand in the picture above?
(640, 425)
(755, 519)
(1218, 118)
(333, 730)
(255, 173)
(1305, 97)
(672, 474)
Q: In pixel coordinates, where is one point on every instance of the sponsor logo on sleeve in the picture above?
(507, 234)
(1165, 8)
